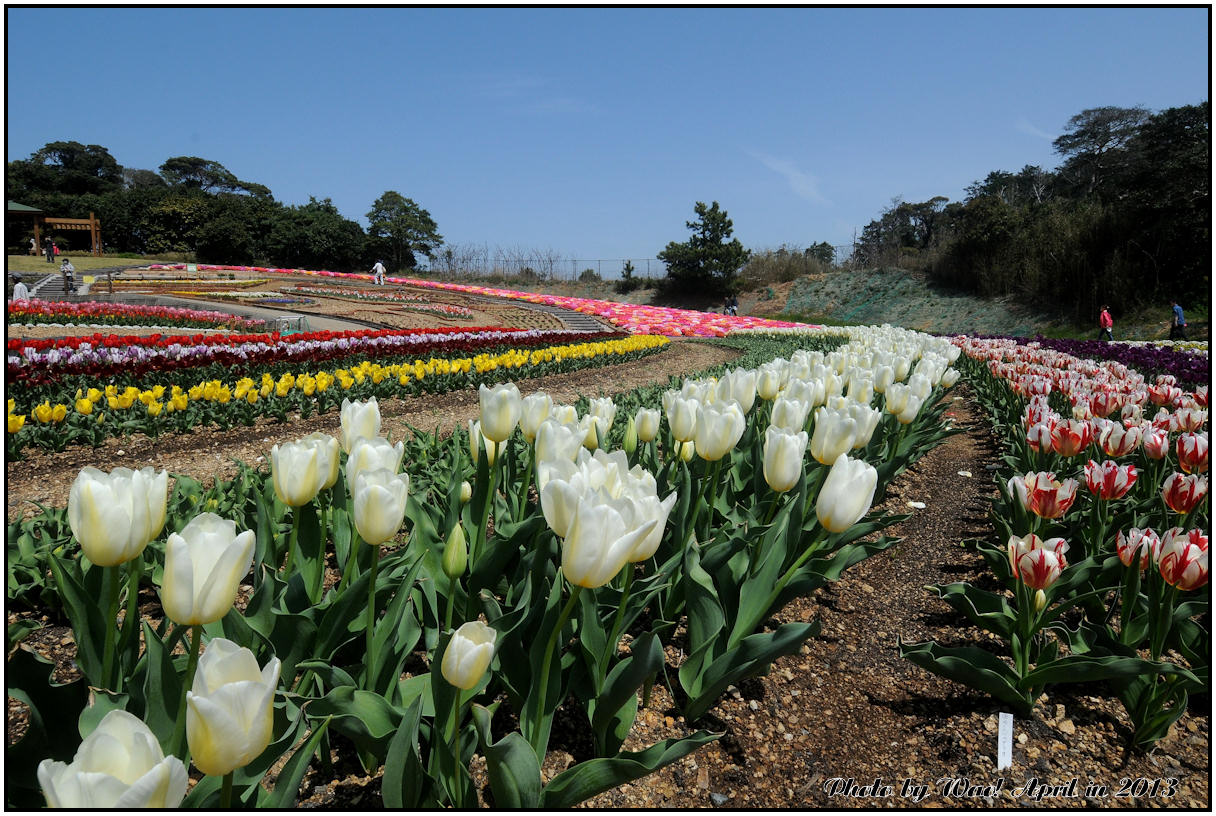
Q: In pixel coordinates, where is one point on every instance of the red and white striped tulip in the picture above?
(1144, 544)
(1183, 493)
(1108, 480)
(1043, 495)
(1119, 440)
(1071, 436)
(1189, 419)
(1037, 563)
(1192, 451)
(1184, 558)
(1156, 443)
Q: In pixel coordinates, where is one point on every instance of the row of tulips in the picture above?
(38, 362)
(639, 319)
(38, 312)
(406, 300)
(726, 497)
(1098, 593)
(98, 412)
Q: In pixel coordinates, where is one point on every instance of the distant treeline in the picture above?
(1125, 219)
(198, 208)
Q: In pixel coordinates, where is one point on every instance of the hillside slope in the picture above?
(903, 298)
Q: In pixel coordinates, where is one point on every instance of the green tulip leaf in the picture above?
(593, 777)
(287, 784)
(511, 765)
(752, 656)
(1091, 668)
(81, 594)
(984, 609)
(971, 666)
(52, 733)
(365, 717)
(613, 712)
(405, 781)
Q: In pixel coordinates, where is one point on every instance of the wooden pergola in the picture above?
(41, 222)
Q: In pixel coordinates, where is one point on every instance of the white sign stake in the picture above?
(1004, 741)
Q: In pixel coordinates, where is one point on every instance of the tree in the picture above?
(823, 252)
(706, 263)
(208, 176)
(1093, 144)
(135, 178)
(65, 167)
(398, 227)
(316, 236)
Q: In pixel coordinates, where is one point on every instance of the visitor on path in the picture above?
(1177, 322)
(48, 247)
(33, 247)
(20, 290)
(1105, 323)
(378, 273)
(55, 247)
(69, 276)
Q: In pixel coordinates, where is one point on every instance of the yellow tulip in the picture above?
(15, 422)
(154, 408)
(42, 412)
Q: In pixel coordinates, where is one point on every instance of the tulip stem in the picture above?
(611, 650)
(110, 575)
(130, 623)
(291, 542)
(371, 618)
(540, 734)
(226, 792)
(352, 561)
(447, 616)
(180, 747)
(529, 473)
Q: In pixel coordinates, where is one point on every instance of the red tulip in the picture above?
(1184, 559)
(1182, 494)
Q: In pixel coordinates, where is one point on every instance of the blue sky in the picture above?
(592, 132)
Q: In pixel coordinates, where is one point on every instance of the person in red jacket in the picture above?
(1105, 322)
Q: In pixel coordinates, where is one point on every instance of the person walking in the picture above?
(1105, 323)
(48, 246)
(1177, 322)
(33, 247)
(20, 290)
(378, 273)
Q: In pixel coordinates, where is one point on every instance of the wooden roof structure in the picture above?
(41, 222)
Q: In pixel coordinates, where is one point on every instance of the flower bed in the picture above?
(52, 312)
(178, 407)
(36, 362)
(631, 317)
(744, 501)
(1104, 579)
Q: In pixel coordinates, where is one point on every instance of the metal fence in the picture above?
(550, 266)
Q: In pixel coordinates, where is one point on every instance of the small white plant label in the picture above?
(1004, 741)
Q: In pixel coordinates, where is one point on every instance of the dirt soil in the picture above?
(845, 708)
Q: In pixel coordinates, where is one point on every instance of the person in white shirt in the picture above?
(20, 290)
(378, 273)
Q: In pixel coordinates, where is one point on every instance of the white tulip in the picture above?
(114, 515)
(119, 765)
(846, 495)
(468, 655)
(378, 504)
(500, 410)
(358, 419)
(534, 410)
(230, 708)
(204, 565)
